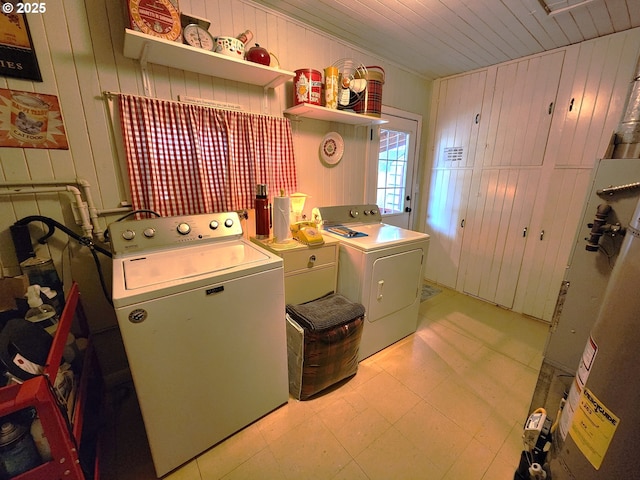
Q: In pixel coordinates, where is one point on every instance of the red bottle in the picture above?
(263, 217)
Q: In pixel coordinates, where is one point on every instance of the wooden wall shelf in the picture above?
(148, 49)
(316, 112)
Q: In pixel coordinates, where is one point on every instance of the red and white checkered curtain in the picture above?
(187, 159)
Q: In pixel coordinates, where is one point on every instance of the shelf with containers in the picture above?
(149, 49)
(64, 427)
(316, 112)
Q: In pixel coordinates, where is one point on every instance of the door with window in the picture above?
(396, 189)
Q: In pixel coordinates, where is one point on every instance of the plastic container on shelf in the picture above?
(18, 452)
(40, 438)
(43, 272)
(40, 313)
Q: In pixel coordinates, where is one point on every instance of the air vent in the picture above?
(453, 154)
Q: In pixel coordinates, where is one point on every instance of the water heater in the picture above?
(599, 429)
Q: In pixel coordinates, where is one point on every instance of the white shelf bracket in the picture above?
(265, 100)
(146, 85)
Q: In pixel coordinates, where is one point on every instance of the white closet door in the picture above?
(459, 104)
(590, 103)
(498, 225)
(550, 242)
(501, 205)
(459, 101)
(521, 111)
(592, 97)
(449, 194)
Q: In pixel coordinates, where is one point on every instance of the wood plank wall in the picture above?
(79, 49)
(589, 90)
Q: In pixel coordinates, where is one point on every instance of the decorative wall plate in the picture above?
(332, 148)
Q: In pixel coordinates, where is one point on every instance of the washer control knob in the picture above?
(149, 232)
(183, 228)
(228, 222)
(374, 211)
(353, 213)
(128, 234)
(214, 224)
(367, 212)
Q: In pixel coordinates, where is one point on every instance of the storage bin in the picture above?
(371, 102)
(323, 340)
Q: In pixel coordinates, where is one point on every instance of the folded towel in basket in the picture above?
(325, 312)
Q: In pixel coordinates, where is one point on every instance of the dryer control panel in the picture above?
(135, 236)
(345, 214)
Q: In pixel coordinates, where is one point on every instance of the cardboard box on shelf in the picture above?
(12, 288)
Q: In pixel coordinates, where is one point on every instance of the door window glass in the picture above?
(392, 171)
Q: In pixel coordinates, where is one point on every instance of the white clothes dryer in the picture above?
(380, 266)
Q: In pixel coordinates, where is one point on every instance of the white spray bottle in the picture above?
(40, 313)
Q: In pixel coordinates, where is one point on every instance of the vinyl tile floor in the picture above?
(446, 403)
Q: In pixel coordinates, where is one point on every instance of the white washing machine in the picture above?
(380, 266)
(201, 311)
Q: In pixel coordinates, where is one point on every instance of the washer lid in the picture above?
(182, 263)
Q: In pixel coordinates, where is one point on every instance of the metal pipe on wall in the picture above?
(24, 191)
(26, 183)
(626, 139)
(93, 211)
(88, 211)
(597, 230)
(85, 221)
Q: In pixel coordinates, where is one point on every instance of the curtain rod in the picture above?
(111, 95)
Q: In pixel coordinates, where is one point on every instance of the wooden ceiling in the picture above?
(437, 38)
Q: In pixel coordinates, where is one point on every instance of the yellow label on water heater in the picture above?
(593, 427)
